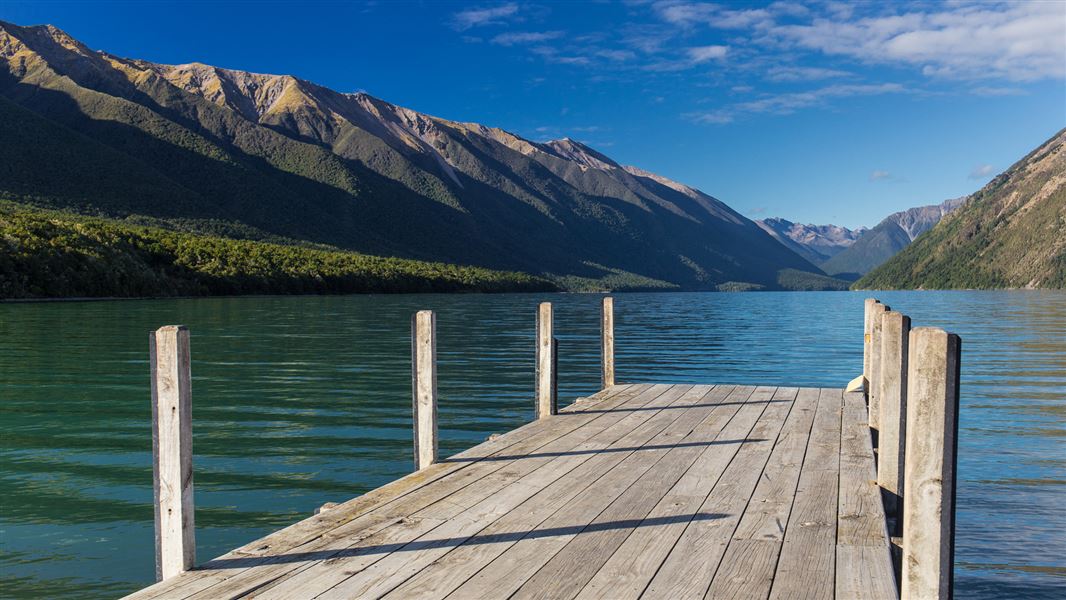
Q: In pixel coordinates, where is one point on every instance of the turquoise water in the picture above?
(302, 400)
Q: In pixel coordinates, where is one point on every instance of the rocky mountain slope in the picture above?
(246, 155)
(816, 243)
(887, 238)
(1009, 234)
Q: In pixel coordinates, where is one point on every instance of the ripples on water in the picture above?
(303, 400)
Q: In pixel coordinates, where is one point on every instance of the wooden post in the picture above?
(546, 393)
(424, 386)
(868, 308)
(607, 343)
(175, 539)
(895, 329)
(929, 482)
(875, 369)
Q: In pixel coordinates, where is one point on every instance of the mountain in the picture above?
(816, 243)
(1009, 234)
(886, 239)
(277, 158)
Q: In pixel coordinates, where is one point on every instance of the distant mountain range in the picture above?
(1009, 234)
(887, 238)
(272, 157)
(850, 253)
(816, 243)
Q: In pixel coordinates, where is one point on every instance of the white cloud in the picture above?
(982, 172)
(702, 54)
(1016, 41)
(477, 17)
(786, 104)
(803, 73)
(880, 175)
(525, 37)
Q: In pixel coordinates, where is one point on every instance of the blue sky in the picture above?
(817, 112)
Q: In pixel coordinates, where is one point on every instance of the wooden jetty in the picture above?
(640, 491)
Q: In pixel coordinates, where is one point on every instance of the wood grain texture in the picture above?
(655, 491)
(424, 387)
(607, 342)
(171, 384)
(546, 397)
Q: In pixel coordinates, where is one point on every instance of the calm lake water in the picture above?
(302, 400)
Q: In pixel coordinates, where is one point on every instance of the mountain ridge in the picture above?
(282, 156)
(1009, 234)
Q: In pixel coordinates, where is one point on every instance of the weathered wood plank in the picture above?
(862, 573)
(627, 573)
(366, 573)
(518, 563)
(569, 570)
(689, 567)
(806, 567)
(861, 518)
(656, 491)
(451, 571)
(768, 510)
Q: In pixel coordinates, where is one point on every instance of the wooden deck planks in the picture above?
(807, 565)
(654, 491)
(394, 569)
(360, 542)
(690, 566)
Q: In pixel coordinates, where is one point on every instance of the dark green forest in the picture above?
(53, 254)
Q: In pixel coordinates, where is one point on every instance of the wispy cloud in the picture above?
(525, 37)
(998, 91)
(788, 103)
(982, 172)
(803, 73)
(961, 40)
(477, 17)
(880, 175)
(701, 54)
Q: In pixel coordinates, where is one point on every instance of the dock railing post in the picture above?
(424, 386)
(874, 389)
(868, 308)
(546, 396)
(929, 482)
(172, 484)
(607, 342)
(895, 329)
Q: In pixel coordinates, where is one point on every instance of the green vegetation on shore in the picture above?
(52, 254)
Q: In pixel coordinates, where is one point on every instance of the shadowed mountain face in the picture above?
(884, 241)
(276, 157)
(1009, 234)
(816, 243)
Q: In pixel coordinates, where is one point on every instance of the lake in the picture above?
(298, 401)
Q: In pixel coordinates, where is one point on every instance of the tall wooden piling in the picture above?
(546, 396)
(874, 390)
(175, 540)
(607, 342)
(868, 309)
(895, 331)
(424, 386)
(932, 443)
